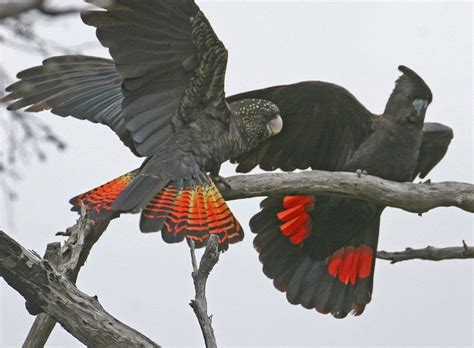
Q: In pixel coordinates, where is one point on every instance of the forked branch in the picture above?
(200, 275)
(45, 290)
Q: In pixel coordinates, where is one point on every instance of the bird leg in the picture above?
(219, 180)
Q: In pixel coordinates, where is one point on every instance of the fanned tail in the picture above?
(192, 209)
(307, 257)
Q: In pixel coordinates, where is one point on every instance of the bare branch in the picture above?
(46, 290)
(200, 275)
(68, 261)
(16, 8)
(416, 198)
(429, 253)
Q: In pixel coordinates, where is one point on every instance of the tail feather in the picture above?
(98, 202)
(193, 210)
(288, 239)
(138, 193)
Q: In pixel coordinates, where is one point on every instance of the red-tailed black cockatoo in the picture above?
(163, 94)
(321, 249)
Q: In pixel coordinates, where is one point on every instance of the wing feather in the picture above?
(171, 61)
(322, 125)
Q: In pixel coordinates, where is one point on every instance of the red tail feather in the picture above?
(98, 201)
(296, 222)
(350, 264)
(194, 211)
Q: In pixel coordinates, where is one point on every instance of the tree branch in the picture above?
(46, 290)
(429, 253)
(200, 275)
(416, 198)
(16, 8)
(68, 261)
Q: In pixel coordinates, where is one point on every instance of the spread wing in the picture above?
(322, 125)
(434, 145)
(87, 88)
(172, 65)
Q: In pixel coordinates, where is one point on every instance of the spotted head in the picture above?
(258, 120)
(409, 99)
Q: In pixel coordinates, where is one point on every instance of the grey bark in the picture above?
(46, 290)
(429, 253)
(200, 275)
(68, 261)
(14, 8)
(415, 198)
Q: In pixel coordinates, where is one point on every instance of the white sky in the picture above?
(147, 284)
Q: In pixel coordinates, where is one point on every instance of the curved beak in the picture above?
(420, 105)
(275, 125)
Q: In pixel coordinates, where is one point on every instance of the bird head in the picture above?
(258, 120)
(410, 98)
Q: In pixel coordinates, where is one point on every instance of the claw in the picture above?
(361, 172)
(220, 182)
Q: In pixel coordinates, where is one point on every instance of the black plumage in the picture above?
(322, 254)
(163, 94)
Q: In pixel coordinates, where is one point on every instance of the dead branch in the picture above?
(66, 260)
(16, 8)
(415, 198)
(45, 290)
(429, 253)
(200, 275)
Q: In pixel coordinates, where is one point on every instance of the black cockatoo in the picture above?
(321, 250)
(163, 94)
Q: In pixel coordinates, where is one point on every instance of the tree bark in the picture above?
(68, 261)
(46, 290)
(200, 275)
(429, 253)
(14, 8)
(415, 198)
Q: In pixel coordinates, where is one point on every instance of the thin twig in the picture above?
(200, 275)
(429, 253)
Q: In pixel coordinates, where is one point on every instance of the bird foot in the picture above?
(361, 173)
(428, 181)
(220, 182)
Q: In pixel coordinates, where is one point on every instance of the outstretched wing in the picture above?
(172, 65)
(322, 125)
(87, 88)
(435, 142)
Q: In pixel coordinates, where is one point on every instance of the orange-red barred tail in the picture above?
(351, 263)
(98, 201)
(296, 222)
(193, 209)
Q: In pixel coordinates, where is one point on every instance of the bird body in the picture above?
(163, 94)
(321, 249)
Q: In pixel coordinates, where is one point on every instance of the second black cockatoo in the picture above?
(321, 250)
(163, 94)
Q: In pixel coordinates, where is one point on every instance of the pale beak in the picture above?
(420, 105)
(275, 125)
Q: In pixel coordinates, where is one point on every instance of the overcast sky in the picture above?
(147, 283)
